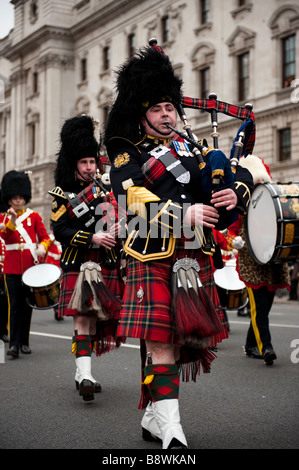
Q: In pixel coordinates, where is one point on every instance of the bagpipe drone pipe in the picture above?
(216, 170)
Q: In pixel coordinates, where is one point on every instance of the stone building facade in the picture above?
(59, 60)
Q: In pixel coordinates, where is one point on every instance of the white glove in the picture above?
(40, 250)
(238, 242)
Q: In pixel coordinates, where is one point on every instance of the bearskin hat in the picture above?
(15, 183)
(79, 138)
(3, 205)
(142, 81)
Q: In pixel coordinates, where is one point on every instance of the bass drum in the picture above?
(272, 228)
(42, 283)
(231, 290)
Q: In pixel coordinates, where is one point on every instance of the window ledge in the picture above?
(242, 9)
(203, 27)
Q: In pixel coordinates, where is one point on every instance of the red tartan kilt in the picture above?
(150, 318)
(68, 282)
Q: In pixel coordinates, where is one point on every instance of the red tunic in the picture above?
(18, 256)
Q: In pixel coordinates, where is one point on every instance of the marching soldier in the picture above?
(84, 220)
(26, 239)
(157, 174)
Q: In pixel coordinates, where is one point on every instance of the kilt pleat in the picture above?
(106, 330)
(146, 312)
(148, 316)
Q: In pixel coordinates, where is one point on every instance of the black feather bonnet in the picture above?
(79, 139)
(142, 81)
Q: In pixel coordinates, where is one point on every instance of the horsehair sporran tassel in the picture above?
(209, 307)
(84, 298)
(194, 314)
(108, 300)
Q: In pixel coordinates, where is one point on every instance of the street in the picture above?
(241, 404)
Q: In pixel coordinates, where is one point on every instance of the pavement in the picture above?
(241, 404)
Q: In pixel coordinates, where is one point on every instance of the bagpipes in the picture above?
(90, 293)
(217, 170)
(113, 214)
(195, 317)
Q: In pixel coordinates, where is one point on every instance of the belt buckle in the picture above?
(81, 209)
(21, 246)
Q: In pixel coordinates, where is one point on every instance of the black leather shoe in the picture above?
(86, 390)
(175, 444)
(97, 386)
(25, 349)
(57, 317)
(4, 338)
(13, 351)
(253, 352)
(269, 356)
(149, 437)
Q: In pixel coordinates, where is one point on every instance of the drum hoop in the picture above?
(269, 187)
(53, 266)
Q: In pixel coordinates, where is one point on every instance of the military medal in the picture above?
(182, 149)
(95, 191)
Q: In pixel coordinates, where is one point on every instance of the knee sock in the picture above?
(82, 345)
(163, 381)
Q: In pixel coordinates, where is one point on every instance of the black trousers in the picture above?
(19, 311)
(258, 334)
(3, 308)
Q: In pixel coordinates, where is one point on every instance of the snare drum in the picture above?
(42, 283)
(272, 231)
(231, 290)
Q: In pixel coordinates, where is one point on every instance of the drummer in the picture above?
(262, 281)
(26, 239)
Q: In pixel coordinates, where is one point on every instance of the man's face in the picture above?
(85, 168)
(158, 115)
(17, 202)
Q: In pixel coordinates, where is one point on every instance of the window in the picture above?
(165, 29)
(131, 44)
(285, 144)
(204, 82)
(32, 135)
(106, 58)
(288, 60)
(83, 70)
(204, 11)
(243, 67)
(35, 82)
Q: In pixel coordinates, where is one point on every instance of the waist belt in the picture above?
(17, 246)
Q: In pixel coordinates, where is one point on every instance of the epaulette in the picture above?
(57, 191)
(115, 143)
